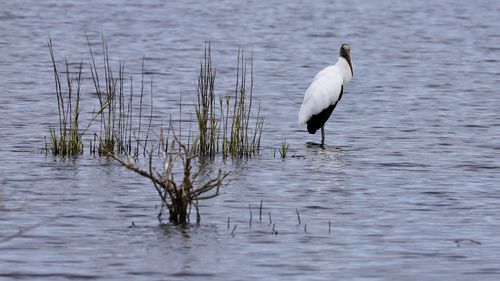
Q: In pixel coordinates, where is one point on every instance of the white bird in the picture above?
(325, 92)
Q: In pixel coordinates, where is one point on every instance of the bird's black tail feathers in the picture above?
(318, 120)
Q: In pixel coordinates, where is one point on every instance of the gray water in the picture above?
(411, 163)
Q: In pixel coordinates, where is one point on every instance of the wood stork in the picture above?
(325, 92)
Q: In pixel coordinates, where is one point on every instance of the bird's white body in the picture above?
(325, 89)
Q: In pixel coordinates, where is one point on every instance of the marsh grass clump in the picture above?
(243, 141)
(178, 196)
(234, 129)
(116, 108)
(118, 130)
(208, 122)
(66, 140)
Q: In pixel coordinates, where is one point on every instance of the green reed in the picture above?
(205, 113)
(67, 140)
(234, 129)
(116, 107)
(243, 141)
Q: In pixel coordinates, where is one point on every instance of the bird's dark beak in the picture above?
(349, 62)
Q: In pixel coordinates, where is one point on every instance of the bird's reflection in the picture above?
(320, 152)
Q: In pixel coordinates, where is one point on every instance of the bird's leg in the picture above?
(322, 135)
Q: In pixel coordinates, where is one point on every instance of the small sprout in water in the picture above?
(284, 149)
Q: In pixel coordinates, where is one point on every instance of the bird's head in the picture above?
(345, 52)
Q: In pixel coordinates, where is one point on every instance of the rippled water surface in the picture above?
(411, 164)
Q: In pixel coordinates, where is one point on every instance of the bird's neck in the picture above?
(344, 69)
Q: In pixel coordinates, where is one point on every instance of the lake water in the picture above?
(411, 164)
